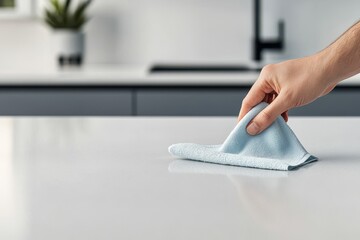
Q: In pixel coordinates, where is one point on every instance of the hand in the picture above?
(284, 86)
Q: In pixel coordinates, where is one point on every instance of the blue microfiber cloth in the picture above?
(275, 148)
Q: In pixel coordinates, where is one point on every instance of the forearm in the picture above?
(341, 59)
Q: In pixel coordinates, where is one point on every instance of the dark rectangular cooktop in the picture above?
(168, 68)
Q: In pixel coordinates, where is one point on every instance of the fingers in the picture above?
(271, 97)
(267, 116)
(285, 115)
(328, 89)
(257, 94)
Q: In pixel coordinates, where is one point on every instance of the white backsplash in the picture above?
(145, 31)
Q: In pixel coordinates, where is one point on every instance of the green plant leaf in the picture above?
(66, 10)
(52, 17)
(80, 22)
(51, 23)
(81, 9)
(56, 5)
(60, 16)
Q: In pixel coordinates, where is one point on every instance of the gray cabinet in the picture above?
(343, 101)
(155, 101)
(65, 101)
(340, 102)
(188, 102)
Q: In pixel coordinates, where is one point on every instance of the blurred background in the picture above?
(124, 39)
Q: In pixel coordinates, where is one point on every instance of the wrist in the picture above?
(323, 63)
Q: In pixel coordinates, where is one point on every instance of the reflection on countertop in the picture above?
(188, 167)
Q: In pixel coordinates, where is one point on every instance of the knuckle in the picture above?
(245, 103)
(268, 69)
(266, 117)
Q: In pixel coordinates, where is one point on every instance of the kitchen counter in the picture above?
(120, 75)
(112, 178)
(125, 75)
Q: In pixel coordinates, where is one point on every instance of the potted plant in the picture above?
(67, 23)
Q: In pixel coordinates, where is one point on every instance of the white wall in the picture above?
(144, 31)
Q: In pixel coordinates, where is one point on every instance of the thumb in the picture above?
(267, 116)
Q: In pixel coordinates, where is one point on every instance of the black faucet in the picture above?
(260, 44)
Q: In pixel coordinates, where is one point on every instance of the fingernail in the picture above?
(253, 128)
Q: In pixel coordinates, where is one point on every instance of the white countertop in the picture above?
(125, 75)
(112, 178)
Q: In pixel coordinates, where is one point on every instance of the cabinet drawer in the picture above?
(64, 101)
(343, 101)
(340, 102)
(189, 102)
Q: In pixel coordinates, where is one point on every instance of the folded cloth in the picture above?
(275, 148)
